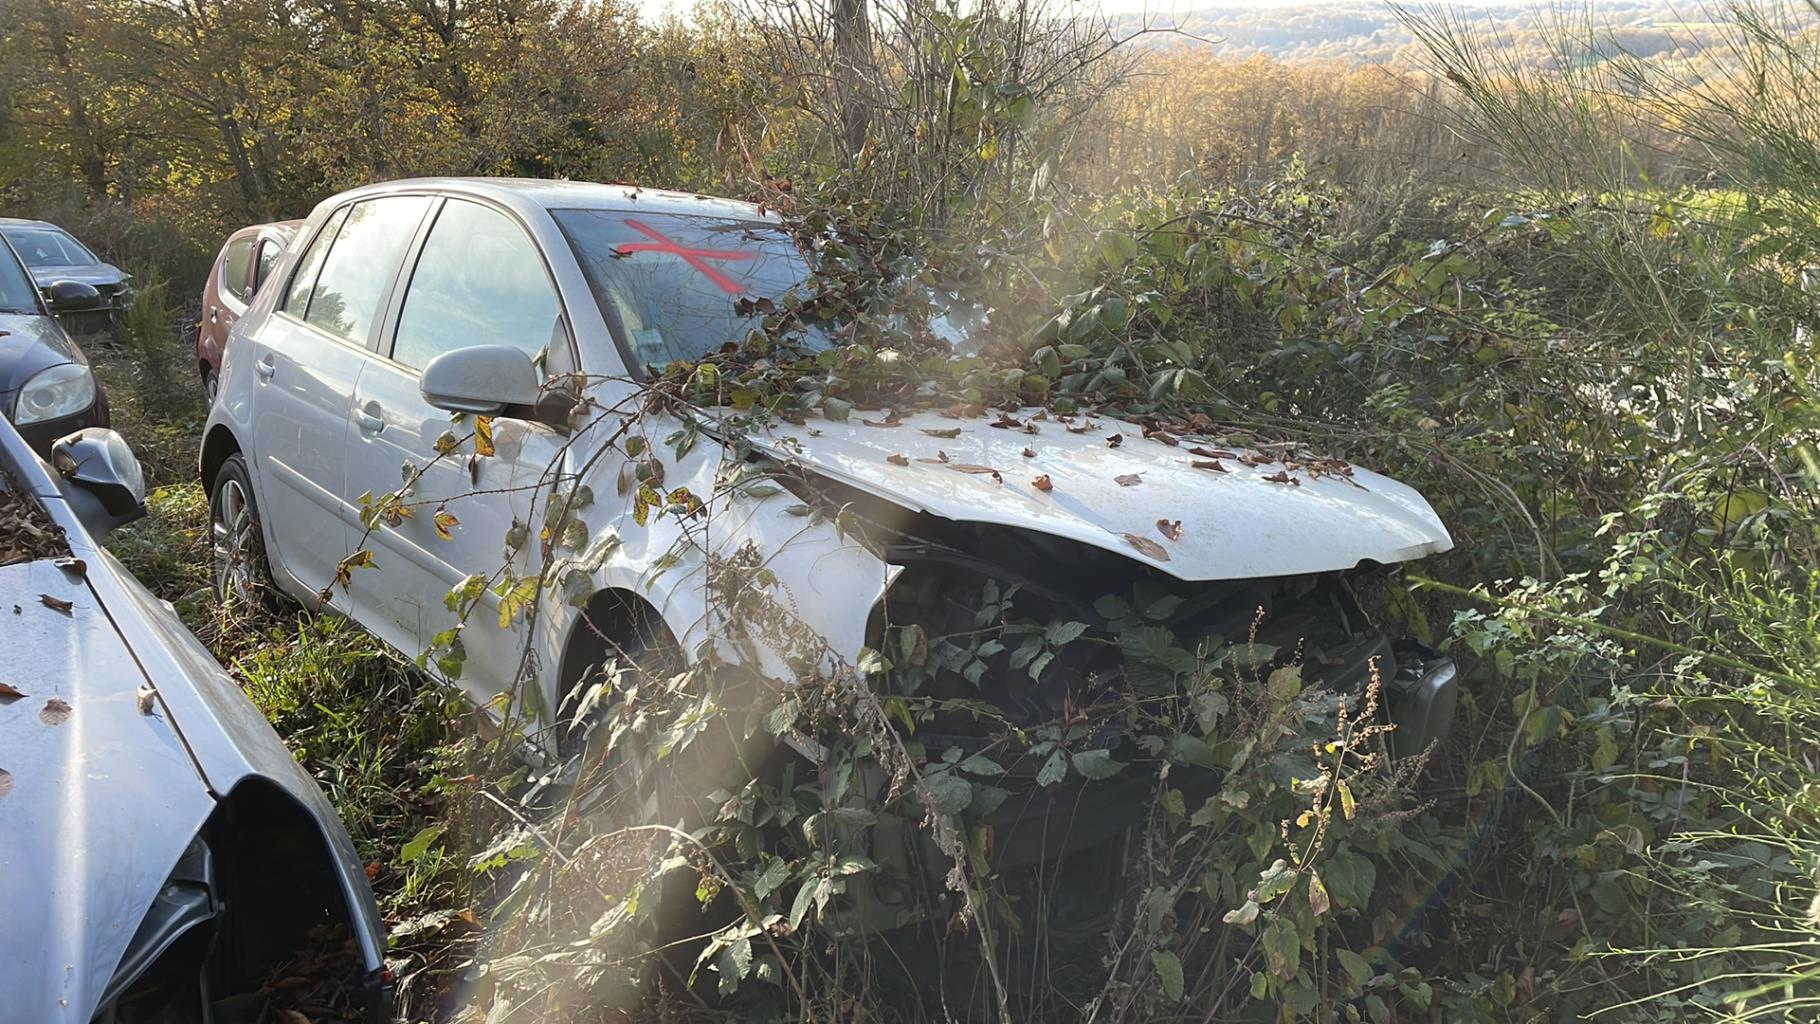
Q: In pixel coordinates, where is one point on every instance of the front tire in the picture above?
(242, 577)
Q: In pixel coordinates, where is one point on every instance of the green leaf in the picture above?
(1053, 770)
(1275, 880)
(1243, 915)
(1282, 948)
(1168, 972)
(950, 792)
(419, 844)
(1357, 968)
(1096, 764)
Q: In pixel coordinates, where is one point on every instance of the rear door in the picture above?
(477, 279)
(307, 357)
(227, 293)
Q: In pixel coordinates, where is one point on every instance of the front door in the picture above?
(477, 280)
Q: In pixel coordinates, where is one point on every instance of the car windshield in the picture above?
(49, 247)
(682, 286)
(17, 293)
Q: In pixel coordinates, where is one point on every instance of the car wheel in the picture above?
(242, 578)
(211, 386)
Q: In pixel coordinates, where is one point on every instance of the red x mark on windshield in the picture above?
(697, 258)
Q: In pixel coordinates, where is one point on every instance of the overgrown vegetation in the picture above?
(1588, 348)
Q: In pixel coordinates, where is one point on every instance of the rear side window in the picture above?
(269, 251)
(304, 280)
(479, 281)
(235, 266)
(360, 264)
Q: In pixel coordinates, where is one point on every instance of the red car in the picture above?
(241, 268)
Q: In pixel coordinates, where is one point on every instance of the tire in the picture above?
(241, 576)
(211, 386)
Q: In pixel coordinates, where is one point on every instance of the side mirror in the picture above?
(481, 379)
(109, 486)
(72, 296)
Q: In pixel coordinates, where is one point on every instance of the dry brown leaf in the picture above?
(1170, 529)
(1043, 483)
(898, 460)
(56, 711)
(10, 693)
(1030, 453)
(6, 783)
(1147, 547)
(1114, 440)
(1213, 464)
(147, 694)
(56, 604)
(73, 566)
(968, 467)
(1282, 476)
(1128, 479)
(943, 432)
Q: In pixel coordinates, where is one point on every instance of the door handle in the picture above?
(212, 311)
(265, 368)
(369, 419)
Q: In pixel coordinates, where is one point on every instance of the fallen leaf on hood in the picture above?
(73, 566)
(1169, 529)
(1114, 440)
(6, 783)
(56, 711)
(1042, 483)
(1005, 421)
(56, 604)
(1282, 476)
(891, 419)
(10, 693)
(898, 460)
(1030, 453)
(1148, 547)
(1211, 453)
(1213, 464)
(1162, 435)
(146, 694)
(1129, 479)
(1081, 429)
(945, 432)
(978, 470)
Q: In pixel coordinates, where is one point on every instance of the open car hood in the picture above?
(1235, 524)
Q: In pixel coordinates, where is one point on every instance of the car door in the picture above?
(477, 279)
(227, 293)
(307, 356)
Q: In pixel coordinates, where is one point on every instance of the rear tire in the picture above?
(211, 386)
(242, 577)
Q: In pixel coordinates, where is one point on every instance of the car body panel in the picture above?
(146, 780)
(1236, 524)
(225, 301)
(105, 780)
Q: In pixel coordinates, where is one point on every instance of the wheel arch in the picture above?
(217, 446)
(612, 616)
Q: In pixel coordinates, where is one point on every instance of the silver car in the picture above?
(161, 853)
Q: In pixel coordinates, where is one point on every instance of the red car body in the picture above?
(245, 260)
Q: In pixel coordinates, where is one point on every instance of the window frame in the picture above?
(408, 272)
(277, 249)
(224, 285)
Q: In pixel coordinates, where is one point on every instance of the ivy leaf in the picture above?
(1096, 764)
(1282, 948)
(733, 963)
(1053, 770)
(951, 793)
(837, 410)
(483, 435)
(1274, 881)
(1243, 915)
(1357, 967)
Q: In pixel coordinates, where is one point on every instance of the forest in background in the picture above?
(1552, 280)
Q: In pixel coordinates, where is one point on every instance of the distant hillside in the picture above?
(1369, 32)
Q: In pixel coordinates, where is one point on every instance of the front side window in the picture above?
(479, 281)
(681, 286)
(360, 264)
(49, 247)
(303, 282)
(235, 267)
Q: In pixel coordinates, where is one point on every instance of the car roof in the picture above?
(284, 229)
(27, 222)
(527, 193)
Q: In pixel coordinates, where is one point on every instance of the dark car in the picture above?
(46, 386)
(240, 269)
(53, 255)
(162, 856)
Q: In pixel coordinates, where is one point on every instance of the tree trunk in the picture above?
(852, 52)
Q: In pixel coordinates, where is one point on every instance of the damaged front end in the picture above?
(1032, 667)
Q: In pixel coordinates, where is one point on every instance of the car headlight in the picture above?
(62, 390)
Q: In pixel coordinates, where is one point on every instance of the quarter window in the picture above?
(269, 251)
(360, 264)
(479, 281)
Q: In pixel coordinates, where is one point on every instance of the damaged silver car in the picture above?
(162, 856)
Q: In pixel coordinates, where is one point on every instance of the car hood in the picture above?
(88, 776)
(29, 343)
(1236, 524)
(96, 274)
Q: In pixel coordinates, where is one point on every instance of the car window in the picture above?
(234, 267)
(303, 281)
(269, 251)
(360, 264)
(479, 281)
(49, 247)
(17, 292)
(682, 286)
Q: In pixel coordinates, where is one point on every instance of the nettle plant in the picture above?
(709, 812)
